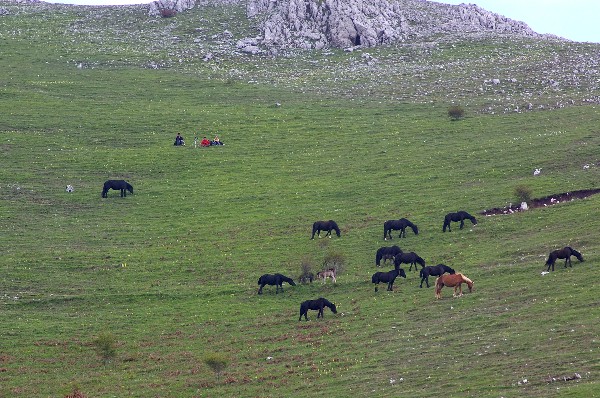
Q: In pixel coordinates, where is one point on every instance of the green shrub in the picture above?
(216, 361)
(306, 274)
(523, 193)
(334, 260)
(105, 345)
(456, 112)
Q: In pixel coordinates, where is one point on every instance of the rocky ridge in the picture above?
(317, 24)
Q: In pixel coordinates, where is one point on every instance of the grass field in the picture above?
(170, 272)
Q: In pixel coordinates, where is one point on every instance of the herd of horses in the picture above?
(445, 275)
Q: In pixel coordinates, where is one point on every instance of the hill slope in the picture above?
(169, 274)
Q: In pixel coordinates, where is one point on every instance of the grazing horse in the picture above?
(121, 185)
(325, 226)
(330, 273)
(408, 258)
(452, 280)
(386, 253)
(388, 277)
(458, 216)
(275, 279)
(437, 270)
(317, 304)
(395, 225)
(566, 253)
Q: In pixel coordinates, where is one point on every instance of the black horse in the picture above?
(458, 216)
(408, 258)
(121, 185)
(566, 253)
(437, 270)
(395, 225)
(388, 277)
(275, 279)
(325, 226)
(317, 304)
(386, 253)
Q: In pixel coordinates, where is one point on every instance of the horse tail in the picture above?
(550, 260)
(385, 230)
(260, 280)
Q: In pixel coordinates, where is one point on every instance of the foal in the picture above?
(330, 273)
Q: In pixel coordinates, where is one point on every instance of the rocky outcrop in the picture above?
(347, 23)
(172, 7)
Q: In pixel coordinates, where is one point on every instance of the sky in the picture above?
(572, 19)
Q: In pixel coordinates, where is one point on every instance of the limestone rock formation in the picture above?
(347, 23)
(156, 7)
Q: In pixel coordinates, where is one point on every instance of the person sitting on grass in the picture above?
(179, 140)
(205, 142)
(216, 141)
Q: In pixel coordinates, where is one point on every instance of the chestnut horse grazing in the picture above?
(452, 280)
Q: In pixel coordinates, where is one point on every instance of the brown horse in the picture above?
(330, 273)
(452, 280)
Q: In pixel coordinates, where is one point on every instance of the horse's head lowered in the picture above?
(469, 282)
(332, 308)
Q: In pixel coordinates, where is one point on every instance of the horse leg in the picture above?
(260, 289)
(376, 287)
(303, 312)
(462, 223)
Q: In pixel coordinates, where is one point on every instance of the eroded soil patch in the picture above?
(543, 202)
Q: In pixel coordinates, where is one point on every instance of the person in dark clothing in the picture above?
(179, 140)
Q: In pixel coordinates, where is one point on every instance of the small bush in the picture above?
(456, 112)
(167, 12)
(216, 361)
(306, 274)
(76, 394)
(334, 260)
(105, 345)
(523, 193)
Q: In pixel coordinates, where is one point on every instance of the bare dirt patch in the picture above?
(542, 202)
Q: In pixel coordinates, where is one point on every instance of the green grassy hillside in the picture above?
(171, 271)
